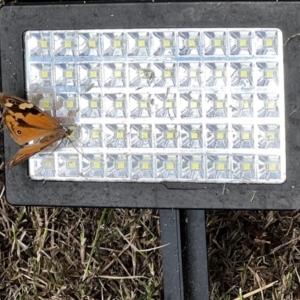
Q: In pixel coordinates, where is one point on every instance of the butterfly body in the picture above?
(27, 123)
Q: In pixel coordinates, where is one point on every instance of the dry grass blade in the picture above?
(256, 291)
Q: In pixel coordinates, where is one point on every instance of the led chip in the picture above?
(121, 165)
(119, 104)
(195, 166)
(194, 104)
(194, 135)
(169, 104)
(118, 74)
(242, 42)
(244, 73)
(170, 165)
(221, 166)
(44, 44)
(220, 135)
(271, 104)
(271, 135)
(141, 43)
(70, 104)
(192, 74)
(143, 74)
(219, 73)
(246, 136)
(94, 104)
(246, 104)
(120, 134)
(168, 74)
(272, 167)
(170, 135)
(117, 44)
(246, 166)
(269, 73)
(144, 135)
(69, 74)
(218, 43)
(144, 104)
(95, 134)
(68, 44)
(72, 164)
(93, 74)
(145, 165)
(167, 43)
(45, 74)
(269, 42)
(48, 164)
(96, 164)
(92, 43)
(220, 104)
(46, 104)
(192, 43)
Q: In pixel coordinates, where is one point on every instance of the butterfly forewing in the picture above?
(27, 123)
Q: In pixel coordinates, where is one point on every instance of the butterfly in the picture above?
(27, 123)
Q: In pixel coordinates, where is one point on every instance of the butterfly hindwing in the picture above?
(31, 149)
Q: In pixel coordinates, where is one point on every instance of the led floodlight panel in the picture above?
(170, 105)
(184, 105)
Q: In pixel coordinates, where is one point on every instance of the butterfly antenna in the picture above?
(76, 148)
(72, 145)
(56, 146)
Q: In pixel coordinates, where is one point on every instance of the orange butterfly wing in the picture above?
(31, 149)
(26, 123)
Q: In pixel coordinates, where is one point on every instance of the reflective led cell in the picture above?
(64, 44)
(117, 166)
(163, 43)
(142, 166)
(145, 105)
(191, 105)
(241, 105)
(241, 42)
(215, 43)
(89, 44)
(139, 43)
(189, 43)
(193, 167)
(93, 165)
(41, 74)
(90, 105)
(141, 136)
(39, 44)
(114, 44)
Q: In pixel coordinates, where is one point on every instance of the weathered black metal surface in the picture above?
(14, 20)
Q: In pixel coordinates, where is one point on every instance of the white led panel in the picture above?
(187, 105)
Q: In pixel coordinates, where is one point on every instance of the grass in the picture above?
(81, 253)
(62, 253)
(249, 250)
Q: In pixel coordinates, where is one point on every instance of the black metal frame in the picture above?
(184, 259)
(14, 20)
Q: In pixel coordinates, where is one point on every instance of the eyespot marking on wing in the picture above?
(10, 103)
